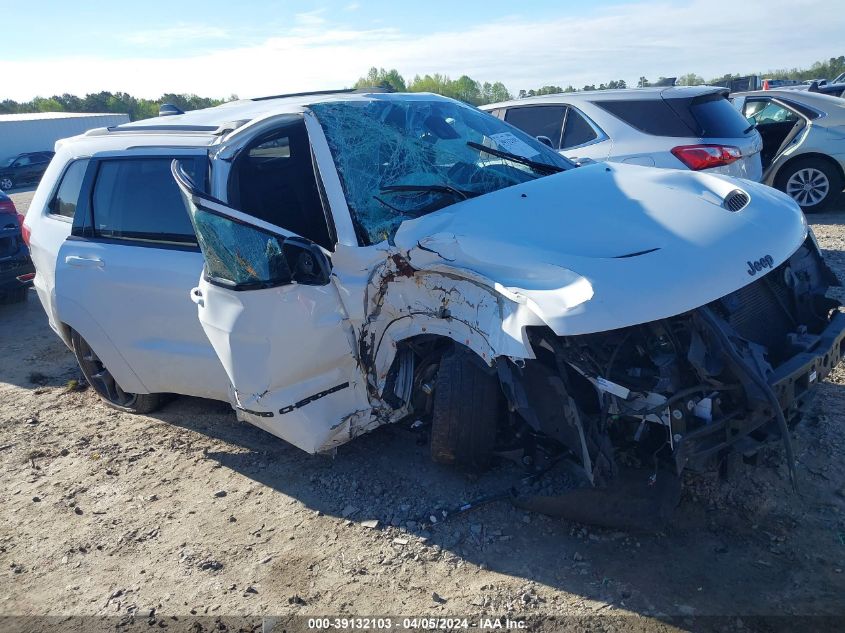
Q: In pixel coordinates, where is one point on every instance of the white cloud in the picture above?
(708, 37)
(310, 19)
(173, 36)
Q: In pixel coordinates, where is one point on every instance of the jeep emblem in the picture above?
(760, 264)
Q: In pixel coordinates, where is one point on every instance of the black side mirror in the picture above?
(546, 141)
(308, 264)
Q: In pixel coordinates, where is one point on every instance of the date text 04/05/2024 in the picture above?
(415, 623)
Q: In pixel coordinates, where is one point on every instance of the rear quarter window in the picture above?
(718, 118)
(705, 116)
(652, 116)
(66, 198)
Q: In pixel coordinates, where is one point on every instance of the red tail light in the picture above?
(7, 206)
(698, 157)
(25, 231)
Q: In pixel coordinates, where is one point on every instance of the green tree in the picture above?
(47, 105)
(466, 89)
(690, 79)
(493, 93)
(381, 78)
(643, 83)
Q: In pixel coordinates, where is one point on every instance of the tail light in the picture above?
(698, 157)
(25, 230)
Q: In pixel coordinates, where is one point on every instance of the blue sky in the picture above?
(217, 48)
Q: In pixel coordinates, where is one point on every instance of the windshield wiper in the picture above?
(458, 193)
(543, 167)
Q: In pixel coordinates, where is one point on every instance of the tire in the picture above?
(468, 403)
(16, 295)
(811, 182)
(6, 183)
(101, 380)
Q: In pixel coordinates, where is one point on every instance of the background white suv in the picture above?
(682, 128)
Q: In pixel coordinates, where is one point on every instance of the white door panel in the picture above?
(282, 335)
(287, 351)
(139, 296)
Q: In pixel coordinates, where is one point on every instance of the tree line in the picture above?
(477, 93)
(464, 88)
(117, 102)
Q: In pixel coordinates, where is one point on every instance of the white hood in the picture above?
(608, 246)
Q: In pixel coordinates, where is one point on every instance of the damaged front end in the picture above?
(681, 392)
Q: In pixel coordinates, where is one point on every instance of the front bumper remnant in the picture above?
(792, 383)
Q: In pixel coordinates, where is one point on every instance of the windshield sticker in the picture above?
(507, 142)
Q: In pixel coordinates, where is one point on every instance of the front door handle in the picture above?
(84, 262)
(196, 297)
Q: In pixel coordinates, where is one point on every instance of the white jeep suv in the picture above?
(340, 261)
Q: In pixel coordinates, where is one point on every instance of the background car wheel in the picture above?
(812, 183)
(16, 295)
(99, 377)
(6, 183)
(468, 403)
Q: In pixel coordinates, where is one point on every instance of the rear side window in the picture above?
(577, 131)
(539, 121)
(138, 199)
(65, 200)
(768, 112)
(717, 118)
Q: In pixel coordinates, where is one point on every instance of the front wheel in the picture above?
(811, 182)
(468, 403)
(6, 183)
(99, 377)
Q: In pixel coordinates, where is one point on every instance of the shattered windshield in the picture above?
(400, 159)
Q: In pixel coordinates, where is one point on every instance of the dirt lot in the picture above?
(189, 512)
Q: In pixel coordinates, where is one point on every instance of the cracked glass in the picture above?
(239, 255)
(402, 158)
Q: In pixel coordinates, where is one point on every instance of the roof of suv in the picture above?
(198, 128)
(210, 119)
(640, 94)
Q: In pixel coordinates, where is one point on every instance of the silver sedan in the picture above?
(803, 142)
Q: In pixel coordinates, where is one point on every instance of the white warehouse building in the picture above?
(39, 131)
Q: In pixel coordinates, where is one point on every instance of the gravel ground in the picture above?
(188, 512)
